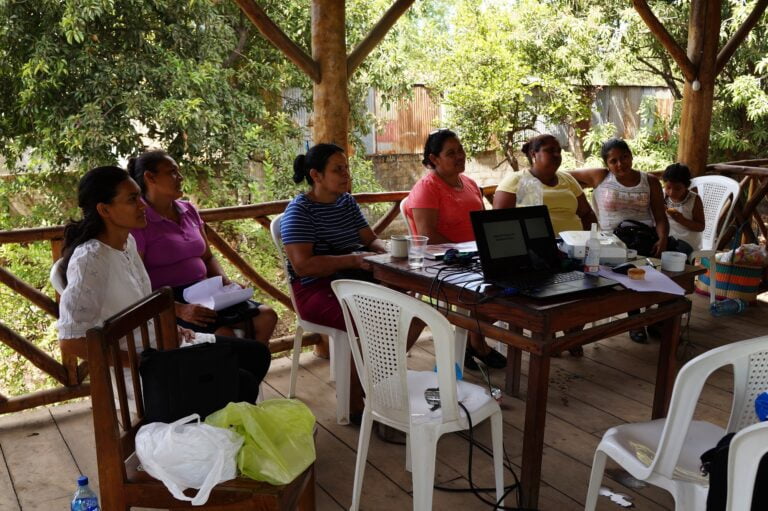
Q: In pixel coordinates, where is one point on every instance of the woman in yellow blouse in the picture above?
(561, 193)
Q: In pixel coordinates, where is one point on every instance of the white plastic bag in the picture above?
(185, 456)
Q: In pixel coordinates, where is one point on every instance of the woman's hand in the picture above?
(184, 334)
(195, 314)
(361, 262)
(659, 247)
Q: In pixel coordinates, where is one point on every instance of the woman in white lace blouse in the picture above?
(104, 274)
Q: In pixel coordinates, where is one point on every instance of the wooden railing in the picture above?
(70, 372)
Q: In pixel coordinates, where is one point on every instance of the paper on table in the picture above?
(212, 293)
(654, 281)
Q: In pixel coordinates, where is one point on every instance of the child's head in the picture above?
(677, 179)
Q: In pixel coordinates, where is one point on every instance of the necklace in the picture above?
(458, 187)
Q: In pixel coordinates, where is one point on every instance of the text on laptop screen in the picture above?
(505, 239)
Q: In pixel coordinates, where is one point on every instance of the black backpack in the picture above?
(715, 463)
(638, 236)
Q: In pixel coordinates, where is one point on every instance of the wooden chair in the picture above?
(116, 419)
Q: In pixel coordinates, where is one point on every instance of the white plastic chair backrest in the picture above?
(747, 449)
(274, 228)
(714, 192)
(57, 280)
(406, 218)
(380, 318)
(750, 377)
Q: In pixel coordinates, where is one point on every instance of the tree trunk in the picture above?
(331, 100)
(696, 117)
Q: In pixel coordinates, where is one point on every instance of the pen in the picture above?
(650, 263)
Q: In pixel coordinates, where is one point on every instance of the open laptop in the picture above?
(517, 250)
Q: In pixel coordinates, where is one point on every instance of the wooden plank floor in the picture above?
(42, 451)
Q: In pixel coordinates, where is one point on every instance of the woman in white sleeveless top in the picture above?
(623, 193)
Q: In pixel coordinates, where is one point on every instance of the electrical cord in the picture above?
(477, 490)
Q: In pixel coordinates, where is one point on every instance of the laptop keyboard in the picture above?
(534, 281)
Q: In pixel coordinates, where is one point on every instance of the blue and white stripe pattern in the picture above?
(333, 229)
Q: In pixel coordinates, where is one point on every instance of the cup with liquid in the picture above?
(417, 246)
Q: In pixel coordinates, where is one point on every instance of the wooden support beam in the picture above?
(33, 295)
(277, 37)
(666, 40)
(738, 37)
(384, 221)
(38, 357)
(376, 34)
(244, 268)
(285, 343)
(330, 95)
(44, 397)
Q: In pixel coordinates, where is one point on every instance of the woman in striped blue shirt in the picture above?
(324, 233)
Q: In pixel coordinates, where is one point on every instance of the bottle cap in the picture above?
(593, 231)
(82, 481)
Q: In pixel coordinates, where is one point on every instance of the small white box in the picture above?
(612, 250)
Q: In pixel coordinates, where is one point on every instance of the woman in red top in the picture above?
(438, 207)
(439, 203)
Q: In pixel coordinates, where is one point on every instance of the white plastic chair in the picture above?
(666, 452)
(55, 277)
(405, 216)
(395, 396)
(714, 192)
(339, 345)
(744, 455)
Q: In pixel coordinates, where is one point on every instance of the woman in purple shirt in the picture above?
(176, 253)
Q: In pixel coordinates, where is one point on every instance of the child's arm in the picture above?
(695, 224)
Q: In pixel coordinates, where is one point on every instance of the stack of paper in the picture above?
(212, 293)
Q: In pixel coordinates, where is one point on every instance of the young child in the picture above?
(684, 209)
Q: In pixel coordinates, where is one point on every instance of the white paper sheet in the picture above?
(654, 281)
(212, 293)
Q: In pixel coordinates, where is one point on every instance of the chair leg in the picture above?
(340, 356)
(408, 464)
(497, 439)
(295, 365)
(362, 456)
(423, 454)
(712, 279)
(595, 478)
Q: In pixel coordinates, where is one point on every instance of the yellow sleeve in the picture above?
(510, 182)
(571, 183)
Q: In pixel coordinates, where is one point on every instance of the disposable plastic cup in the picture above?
(417, 246)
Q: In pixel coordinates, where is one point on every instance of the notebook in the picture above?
(517, 250)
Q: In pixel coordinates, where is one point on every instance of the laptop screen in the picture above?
(515, 240)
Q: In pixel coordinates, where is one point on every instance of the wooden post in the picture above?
(331, 100)
(696, 116)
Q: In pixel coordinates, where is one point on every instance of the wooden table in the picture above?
(544, 318)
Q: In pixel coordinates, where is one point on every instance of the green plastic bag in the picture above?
(279, 443)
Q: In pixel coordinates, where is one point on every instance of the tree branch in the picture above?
(665, 74)
(376, 34)
(738, 37)
(666, 40)
(277, 37)
(237, 52)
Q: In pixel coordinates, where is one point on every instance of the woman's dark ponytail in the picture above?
(316, 158)
(145, 162)
(97, 186)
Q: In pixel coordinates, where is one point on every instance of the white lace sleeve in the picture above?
(81, 302)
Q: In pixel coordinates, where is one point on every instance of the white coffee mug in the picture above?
(673, 261)
(397, 246)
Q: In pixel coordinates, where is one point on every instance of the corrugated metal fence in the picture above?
(403, 127)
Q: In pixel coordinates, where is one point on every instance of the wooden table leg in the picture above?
(514, 363)
(533, 434)
(667, 367)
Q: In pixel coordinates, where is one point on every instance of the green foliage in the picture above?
(508, 65)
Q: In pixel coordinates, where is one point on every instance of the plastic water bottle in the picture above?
(592, 252)
(85, 499)
(727, 307)
(529, 191)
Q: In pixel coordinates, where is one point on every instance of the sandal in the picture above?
(577, 351)
(638, 336)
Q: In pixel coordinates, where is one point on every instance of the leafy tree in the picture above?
(506, 66)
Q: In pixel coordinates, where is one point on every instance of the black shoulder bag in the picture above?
(638, 236)
(715, 463)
